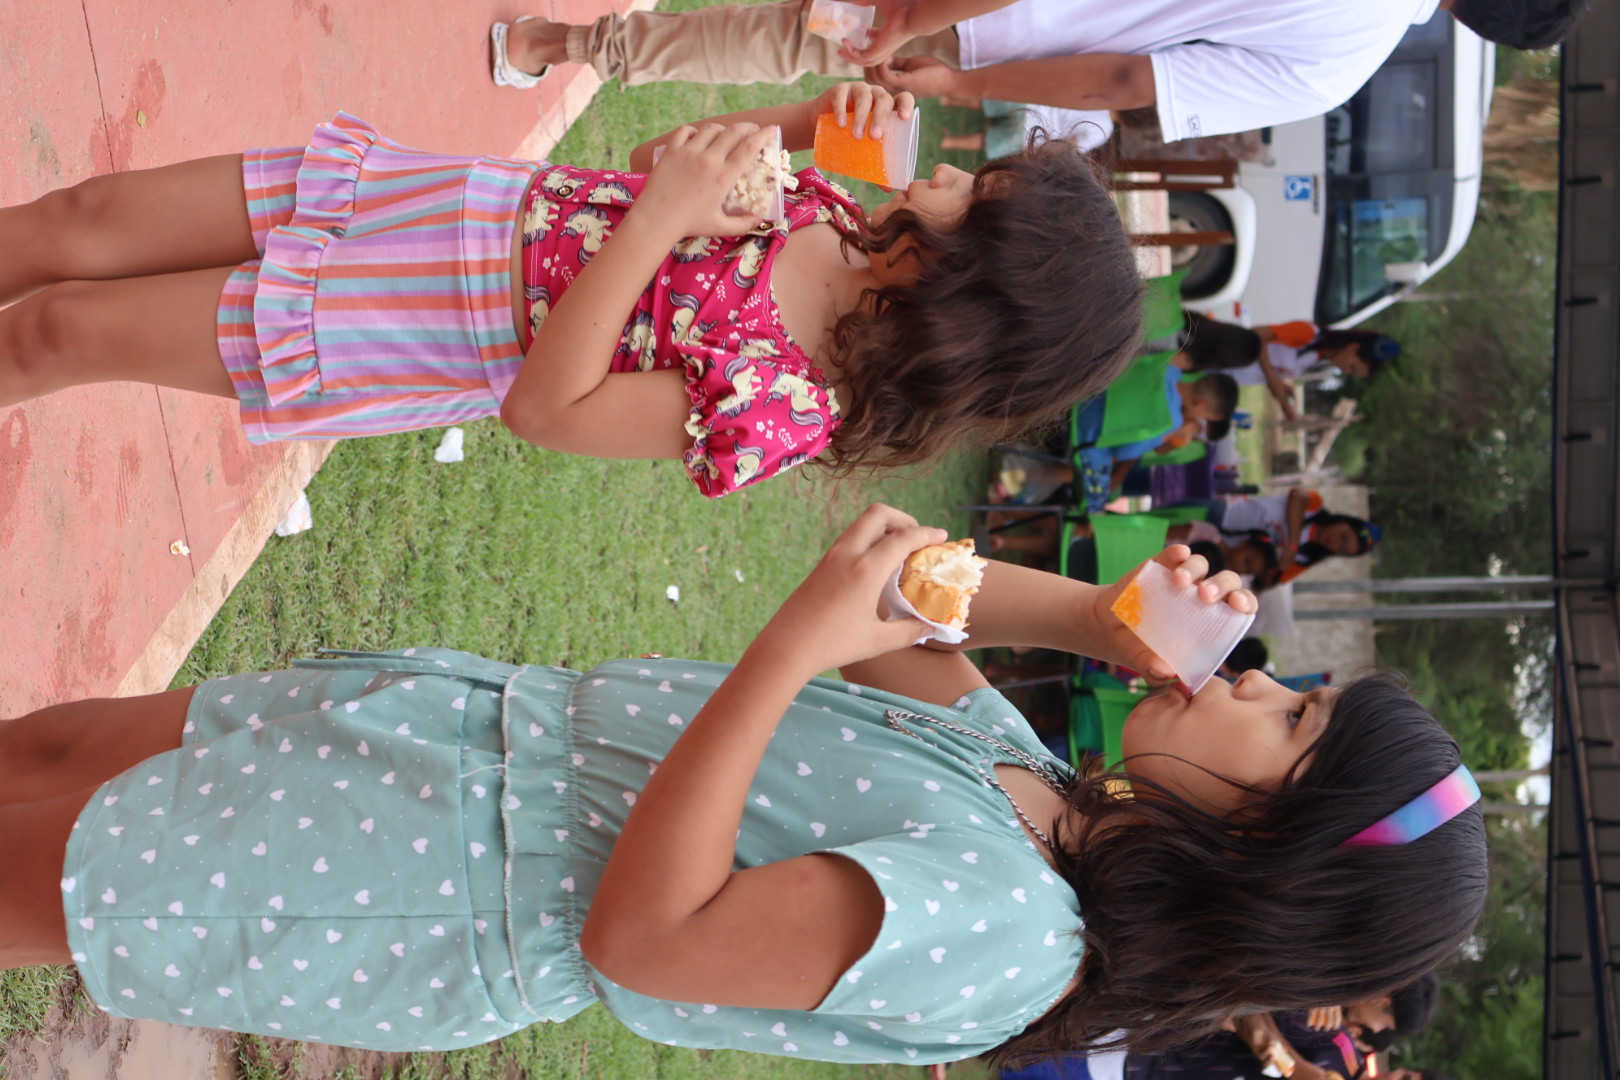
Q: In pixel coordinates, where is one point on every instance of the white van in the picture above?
(1378, 194)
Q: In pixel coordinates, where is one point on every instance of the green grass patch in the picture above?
(26, 995)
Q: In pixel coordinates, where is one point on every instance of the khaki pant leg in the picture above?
(765, 43)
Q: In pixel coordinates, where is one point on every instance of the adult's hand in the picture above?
(922, 76)
(892, 31)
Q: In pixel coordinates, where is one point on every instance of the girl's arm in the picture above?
(564, 397)
(671, 918)
(1281, 389)
(1298, 502)
(872, 106)
(1019, 606)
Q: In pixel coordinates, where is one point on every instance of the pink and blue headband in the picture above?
(1430, 810)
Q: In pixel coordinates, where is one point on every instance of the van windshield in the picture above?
(1388, 175)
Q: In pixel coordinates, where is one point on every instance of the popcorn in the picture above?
(759, 190)
(836, 20)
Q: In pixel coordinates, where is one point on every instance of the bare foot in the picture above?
(536, 42)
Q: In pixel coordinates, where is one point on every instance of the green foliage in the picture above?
(1457, 450)
(1457, 444)
(1489, 1026)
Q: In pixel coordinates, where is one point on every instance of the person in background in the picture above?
(1274, 356)
(1210, 66)
(1303, 530)
(1010, 124)
(1250, 654)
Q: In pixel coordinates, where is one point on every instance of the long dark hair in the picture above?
(1191, 918)
(1312, 552)
(1211, 345)
(1374, 348)
(1032, 303)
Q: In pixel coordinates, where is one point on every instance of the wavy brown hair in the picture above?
(1191, 918)
(1032, 303)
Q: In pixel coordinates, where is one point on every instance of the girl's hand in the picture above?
(1187, 568)
(689, 183)
(892, 31)
(873, 106)
(832, 619)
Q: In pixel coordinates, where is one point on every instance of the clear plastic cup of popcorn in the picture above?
(837, 21)
(1192, 636)
(888, 162)
(759, 191)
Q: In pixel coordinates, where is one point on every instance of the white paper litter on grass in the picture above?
(299, 518)
(450, 447)
(674, 594)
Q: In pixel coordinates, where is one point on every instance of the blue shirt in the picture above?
(1098, 461)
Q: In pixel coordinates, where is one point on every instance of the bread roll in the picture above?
(940, 581)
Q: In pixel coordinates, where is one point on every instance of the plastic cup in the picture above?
(887, 162)
(836, 20)
(1194, 637)
(769, 166)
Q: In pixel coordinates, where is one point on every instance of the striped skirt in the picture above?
(383, 301)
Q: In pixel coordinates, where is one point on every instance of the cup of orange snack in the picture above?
(1192, 636)
(887, 162)
(836, 20)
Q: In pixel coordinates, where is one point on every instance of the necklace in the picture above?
(1042, 770)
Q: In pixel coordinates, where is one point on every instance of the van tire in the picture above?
(1208, 268)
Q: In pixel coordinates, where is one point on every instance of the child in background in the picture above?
(1101, 468)
(1249, 654)
(1273, 356)
(1301, 528)
(359, 287)
(428, 850)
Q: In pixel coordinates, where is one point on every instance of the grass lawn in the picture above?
(525, 555)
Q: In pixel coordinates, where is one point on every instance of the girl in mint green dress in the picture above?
(426, 850)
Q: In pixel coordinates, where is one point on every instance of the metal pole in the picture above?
(1504, 609)
(1536, 582)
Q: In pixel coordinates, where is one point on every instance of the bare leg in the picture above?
(536, 42)
(974, 141)
(51, 763)
(33, 838)
(158, 330)
(131, 224)
(83, 744)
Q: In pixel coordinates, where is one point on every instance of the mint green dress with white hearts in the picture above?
(397, 852)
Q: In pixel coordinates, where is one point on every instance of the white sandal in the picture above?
(501, 69)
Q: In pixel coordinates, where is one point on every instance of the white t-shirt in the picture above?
(1286, 360)
(1218, 65)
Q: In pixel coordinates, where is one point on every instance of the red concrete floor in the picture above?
(98, 483)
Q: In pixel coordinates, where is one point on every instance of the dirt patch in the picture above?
(79, 1042)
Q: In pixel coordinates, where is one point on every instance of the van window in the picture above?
(1364, 234)
(1388, 198)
